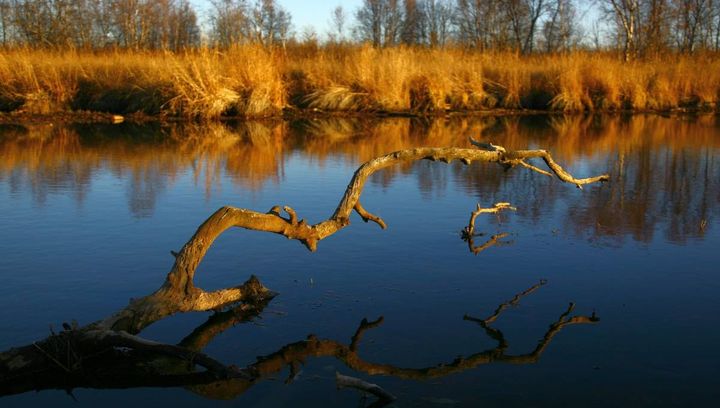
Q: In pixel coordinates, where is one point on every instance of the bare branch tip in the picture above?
(292, 214)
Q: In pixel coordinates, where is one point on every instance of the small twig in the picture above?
(366, 216)
(384, 397)
(292, 214)
(53, 359)
(533, 168)
(275, 210)
(469, 231)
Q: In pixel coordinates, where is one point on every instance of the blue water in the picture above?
(89, 215)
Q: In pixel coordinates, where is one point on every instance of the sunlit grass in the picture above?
(252, 81)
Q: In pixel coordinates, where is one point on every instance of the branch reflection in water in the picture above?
(75, 363)
(68, 357)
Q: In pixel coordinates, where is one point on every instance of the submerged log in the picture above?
(109, 354)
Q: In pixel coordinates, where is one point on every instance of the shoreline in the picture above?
(290, 114)
(210, 85)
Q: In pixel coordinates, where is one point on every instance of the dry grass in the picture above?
(252, 81)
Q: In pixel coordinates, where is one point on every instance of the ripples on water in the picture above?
(89, 214)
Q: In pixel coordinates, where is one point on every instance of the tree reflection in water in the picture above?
(664, 170)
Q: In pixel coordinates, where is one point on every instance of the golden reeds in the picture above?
(253, 81)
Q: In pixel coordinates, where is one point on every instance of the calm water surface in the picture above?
(90, 213)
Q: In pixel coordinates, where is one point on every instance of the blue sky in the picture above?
(304, 13)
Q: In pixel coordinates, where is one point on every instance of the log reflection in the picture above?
(109, 354)
(73, 362)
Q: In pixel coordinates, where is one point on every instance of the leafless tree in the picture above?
(230, 22)
(523, 16)
(337, 24)
(626, 15)
(438, 21)
(379, 22)
(655, 26)
(184, 29)
(693, 23)
(560, 28)
(270, 23)
(412, 25)
(5, 22)
(481, 24)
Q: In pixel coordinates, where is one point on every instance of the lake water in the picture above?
(89, 214)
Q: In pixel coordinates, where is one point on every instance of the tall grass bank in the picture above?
(252, 81)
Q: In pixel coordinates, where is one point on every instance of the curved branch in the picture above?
(179, 293)
(469, 231)
(384, 397)
(518, 157)
(556, 168)
(366, 216)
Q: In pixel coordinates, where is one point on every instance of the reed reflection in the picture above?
(665, 176)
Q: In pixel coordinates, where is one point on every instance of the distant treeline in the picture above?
(634, 27)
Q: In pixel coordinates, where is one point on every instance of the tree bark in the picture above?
(67, 353)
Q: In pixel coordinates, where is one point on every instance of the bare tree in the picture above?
(230, 22)
(560, 28)
(626, 15)
(412, 25)
(183, 25)
(715, 24)
(693, 23)
(270, 23)
(655, 26)
(392, 22)
(337, 24)
(5, 22)
(523, 16)
(481, 24)
(379, 22)
(438, 21)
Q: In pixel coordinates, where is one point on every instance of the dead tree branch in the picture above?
(179, 294)
(384, 397)
(469, 231)
(117, 333)
(519, 157)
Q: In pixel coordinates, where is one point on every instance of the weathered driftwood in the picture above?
(384, 398)
(179, 294)
(469, 231)
(39, 363)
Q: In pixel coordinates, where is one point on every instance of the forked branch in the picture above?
(179, 294)
(520, 157)
(469, 231)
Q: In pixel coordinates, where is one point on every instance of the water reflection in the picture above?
(68, 360)
(666, 178)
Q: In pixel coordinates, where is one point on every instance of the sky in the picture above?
(315, 13)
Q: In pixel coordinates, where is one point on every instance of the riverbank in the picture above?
(255, 82)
